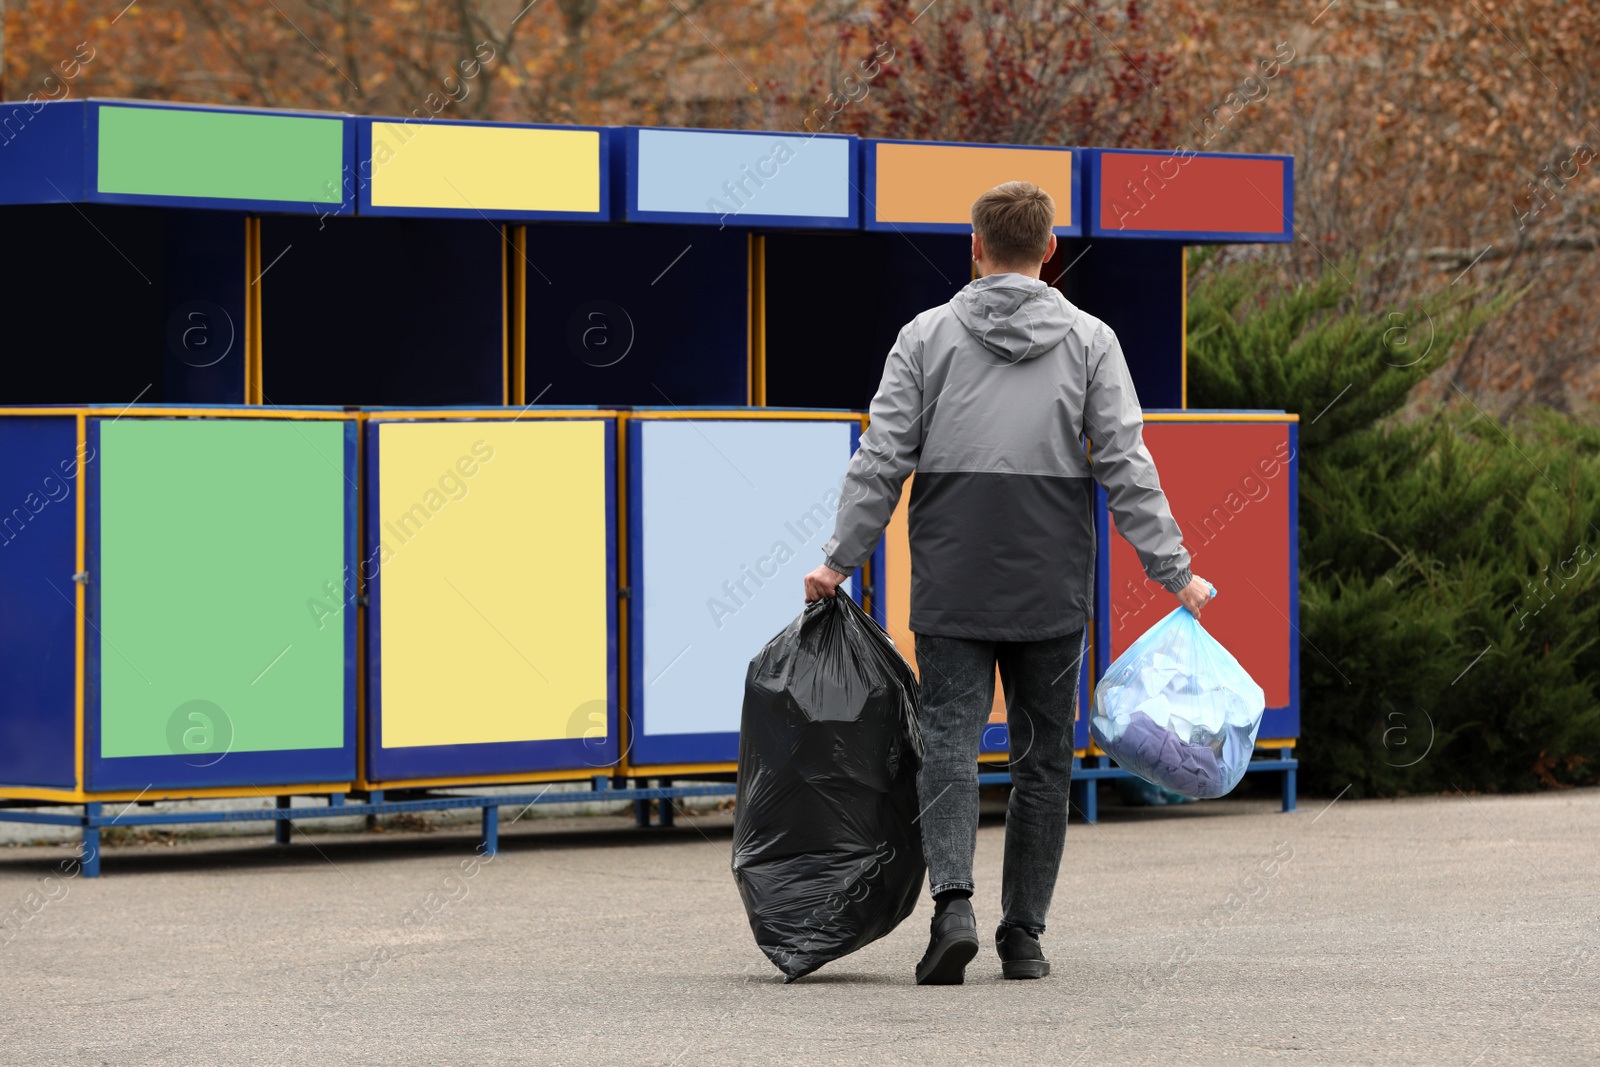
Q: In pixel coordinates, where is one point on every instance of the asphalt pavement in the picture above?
(1458, 931)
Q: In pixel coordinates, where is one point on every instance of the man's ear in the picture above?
(977, 246)
(1050, 250)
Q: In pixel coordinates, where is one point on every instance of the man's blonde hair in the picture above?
(1014, 221)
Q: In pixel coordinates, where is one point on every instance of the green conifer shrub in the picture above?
(1450, 564)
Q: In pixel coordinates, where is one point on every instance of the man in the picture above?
(988, 399)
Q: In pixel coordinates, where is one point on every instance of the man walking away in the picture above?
(988, 398)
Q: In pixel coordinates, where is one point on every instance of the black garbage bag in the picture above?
(827, 851)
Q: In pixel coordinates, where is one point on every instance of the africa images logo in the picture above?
(200, 732)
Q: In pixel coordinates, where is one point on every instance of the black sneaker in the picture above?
(952, 946)
(1020, 954)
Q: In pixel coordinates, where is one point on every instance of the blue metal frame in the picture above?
(858, 576)
(1289, 718)
(869, 187)
(496, 757)
(1102, 583)
(275, 767)
(45, 158)
(996, 736)
(630, 212)
(38, 608)
(1089, 770)
(1094, 229)
(880, 586)
(282, 814)
(297, 207)
(1276, 722)
(69, 151)
(667, 749)
(363, 181)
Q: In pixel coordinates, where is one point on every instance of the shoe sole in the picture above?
(1025, 968)
(949, 964)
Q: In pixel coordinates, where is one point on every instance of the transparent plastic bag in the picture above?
(1177, 710)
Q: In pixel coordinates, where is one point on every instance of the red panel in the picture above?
(1228, 484)
(1197, 194)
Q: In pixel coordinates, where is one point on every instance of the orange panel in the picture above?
(938, 183)
(897, 603)
(1228, 486)
(897, 565)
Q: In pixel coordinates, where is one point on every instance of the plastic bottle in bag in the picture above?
(827, 852)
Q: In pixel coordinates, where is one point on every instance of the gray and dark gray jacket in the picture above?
(988, 398)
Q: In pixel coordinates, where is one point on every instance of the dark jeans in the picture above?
(1040, 679)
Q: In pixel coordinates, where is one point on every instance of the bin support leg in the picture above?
(1290, 785)
(666, 804)
(491, 829)
(641, 812)
(89, 857)
(282, 830)
(1075, 787)
(1091, 797)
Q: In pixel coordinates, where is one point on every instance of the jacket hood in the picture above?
(1014, 316)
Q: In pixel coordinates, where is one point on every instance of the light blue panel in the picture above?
(704, 173)
(734, 515)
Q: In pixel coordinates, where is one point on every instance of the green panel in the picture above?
(172, 152)
(217, 538)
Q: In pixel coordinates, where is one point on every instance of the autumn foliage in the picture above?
(1436, 145)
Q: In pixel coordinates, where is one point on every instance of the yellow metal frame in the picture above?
(101, 410)
(254, 393)
(361, 594)
(517, 357)
(505, 317)
(78, 796)
(1214, 416)
(366, 785)
(756, 317)
(625, 768)
(624, 603)
(82, 413)
(746, 415)
(1096, 750)
(80, 563)
(1218, 416)
(1183, 328)
(436, 415)
(363, 782)
(674, 770)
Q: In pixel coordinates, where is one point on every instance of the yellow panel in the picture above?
(484, 168)
(493, 580)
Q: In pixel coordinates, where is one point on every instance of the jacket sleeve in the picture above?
(887, 455)
(1122, 465)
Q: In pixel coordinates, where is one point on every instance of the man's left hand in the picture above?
(824, 581)
(1196, 595)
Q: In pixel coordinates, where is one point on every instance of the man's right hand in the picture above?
(824, 581)
(1195, 595)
